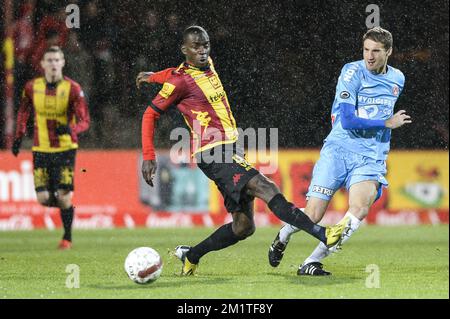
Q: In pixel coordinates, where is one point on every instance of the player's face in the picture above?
(196, 48)
(375, 55)
(53, 63)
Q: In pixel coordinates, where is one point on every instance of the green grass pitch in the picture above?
(412, 263)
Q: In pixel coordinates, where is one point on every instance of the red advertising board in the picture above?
(109, 192)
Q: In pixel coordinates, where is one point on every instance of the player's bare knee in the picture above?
(64, 199)
(262, 187)
(244, 229)
(359, 211)
(43, 198)
(314, 213)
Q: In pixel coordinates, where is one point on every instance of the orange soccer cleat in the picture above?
(64, 244)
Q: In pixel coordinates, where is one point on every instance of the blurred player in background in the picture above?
(60, 114)
(197, 91)
(355, 151)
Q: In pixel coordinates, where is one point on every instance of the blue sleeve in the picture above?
(348, 84)
(350, 121)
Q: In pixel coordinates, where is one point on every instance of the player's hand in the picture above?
(16, 146)
(63, 129)
(148, 171)
(398, 119)
(143, 77)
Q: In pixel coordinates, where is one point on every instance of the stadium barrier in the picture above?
(110, 192)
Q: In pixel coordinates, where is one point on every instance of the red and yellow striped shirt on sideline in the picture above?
(60, 104)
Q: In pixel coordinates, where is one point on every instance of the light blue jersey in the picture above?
(349, 157)
(374, 97)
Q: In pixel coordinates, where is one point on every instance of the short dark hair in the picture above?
(381, 35)
(53, 49)
(193, 29)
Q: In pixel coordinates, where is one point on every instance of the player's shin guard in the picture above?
(221, 238)
(67, 219)
(290, 214)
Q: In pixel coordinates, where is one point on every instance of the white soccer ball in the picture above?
(143, 265)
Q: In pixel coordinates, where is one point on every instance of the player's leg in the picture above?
(361, 197)
(227, 235)
(259, 186)
(63, 177)
(364, 184)
(230, 175)
(315, 209)
(66, 212)
(329, 174)
(45, 196)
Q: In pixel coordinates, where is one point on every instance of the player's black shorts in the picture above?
(53, 171)
(228, 168)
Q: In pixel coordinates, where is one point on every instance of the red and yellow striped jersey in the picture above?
(57, 104)
(203, 102)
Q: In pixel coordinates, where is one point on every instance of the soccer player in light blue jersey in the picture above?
(355, 151)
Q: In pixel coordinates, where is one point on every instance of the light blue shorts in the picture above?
(338, 167)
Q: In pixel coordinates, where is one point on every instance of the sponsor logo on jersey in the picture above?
(322, 190)
(395, 90)
(378, 101)
(214, 81)
(350, 72)
(344, 95)
(217, 97)
(167, 90)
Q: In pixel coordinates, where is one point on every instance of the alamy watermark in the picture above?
(210, 145)
(73, 17)
(73, 279)
(373, 19)
(373, 279)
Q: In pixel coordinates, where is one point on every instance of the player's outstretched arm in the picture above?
(398, 119)
(154, 77)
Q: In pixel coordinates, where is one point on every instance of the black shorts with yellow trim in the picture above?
(53, 171)
(228, 168)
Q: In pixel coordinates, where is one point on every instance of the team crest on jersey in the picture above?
(395, 90)
(345, 95)
(167, 90)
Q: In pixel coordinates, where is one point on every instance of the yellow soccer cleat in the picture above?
(336, 233)
(188, 268)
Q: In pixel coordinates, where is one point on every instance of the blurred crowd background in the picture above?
(278, 61)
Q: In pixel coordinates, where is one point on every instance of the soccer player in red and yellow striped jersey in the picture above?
(197, 91)
(60, 114)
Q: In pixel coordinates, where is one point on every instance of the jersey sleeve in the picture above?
(24, 111)
(171, 93)
(348, 85)
(161, 76)
(80, 108)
